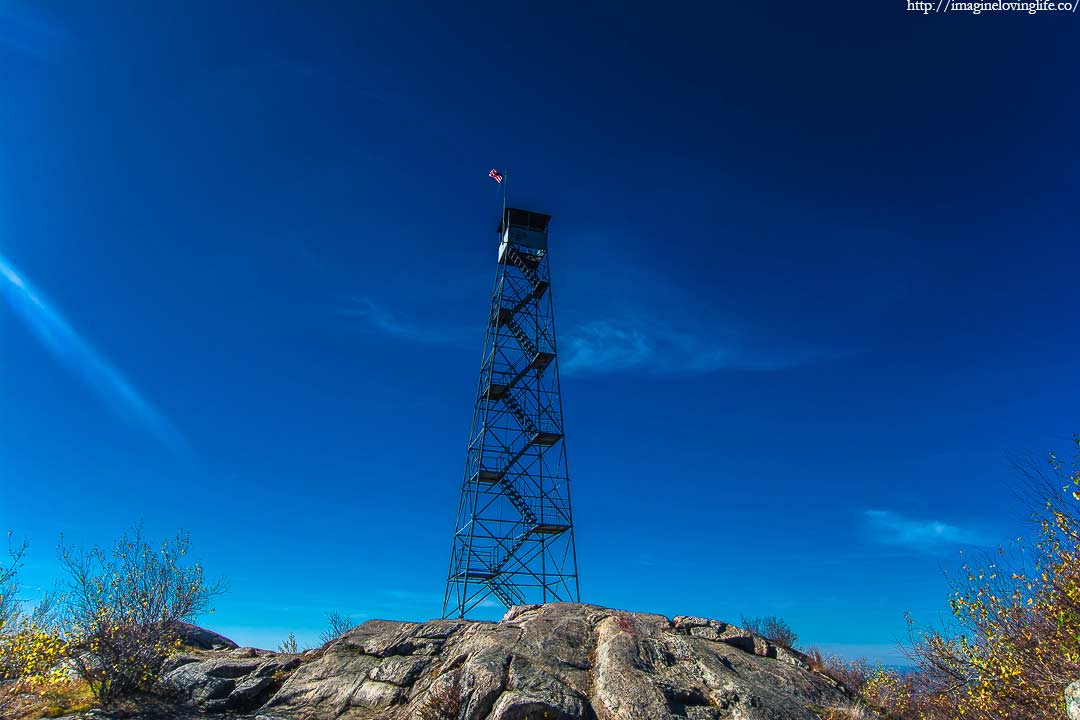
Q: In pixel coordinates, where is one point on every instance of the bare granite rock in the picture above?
(199, 638)
(240, 680)
(560, 661)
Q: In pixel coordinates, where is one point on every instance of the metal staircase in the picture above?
(521, 336)
(538, 286)
(519, 541)
(518, 412)
(517, 500)
(506, 594)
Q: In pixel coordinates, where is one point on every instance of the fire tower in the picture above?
(514, 538)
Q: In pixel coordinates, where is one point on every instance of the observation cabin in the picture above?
(527, 230)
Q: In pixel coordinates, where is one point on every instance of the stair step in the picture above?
(488, 476)
(503, 316)
(546, 438)
(495, 391)
(541, 360)
(549, 528)
(530, 260)
(471, 574)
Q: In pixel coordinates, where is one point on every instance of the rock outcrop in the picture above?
(199, 638)
(240, 680)
(558, 661)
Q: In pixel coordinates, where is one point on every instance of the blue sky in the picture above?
(814, 271)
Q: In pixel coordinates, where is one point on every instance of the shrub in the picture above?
(288, 645)
(118, 610)
(771, 628)
(1016, 644)
(851, 674)
(9, 582)
(337, 626)
(892, 692)
(31, 654)
(31, 650)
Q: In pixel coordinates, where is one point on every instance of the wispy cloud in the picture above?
(604, 346)
(382, 320)
(608, 346)
(25, 30)
(893, 528)
(71, 350)
(601, 346)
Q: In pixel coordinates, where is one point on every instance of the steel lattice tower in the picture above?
(514, 538)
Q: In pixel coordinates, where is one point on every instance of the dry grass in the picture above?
(852, 675)
(444, 700)
(57, 699)
(851, 711)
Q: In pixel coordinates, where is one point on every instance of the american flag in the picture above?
(495, 175)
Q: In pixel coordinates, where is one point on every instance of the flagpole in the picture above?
(506, 186)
